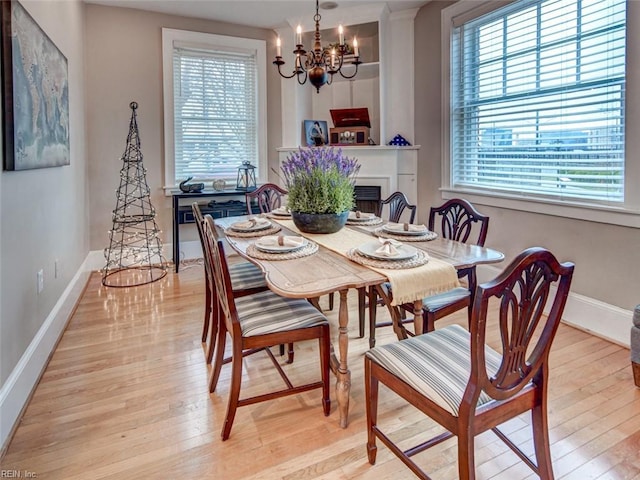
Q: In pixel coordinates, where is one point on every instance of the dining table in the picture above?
(332, 267)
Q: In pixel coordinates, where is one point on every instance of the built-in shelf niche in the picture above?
(384, 83)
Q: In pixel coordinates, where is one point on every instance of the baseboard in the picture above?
(598, 318)
(16, 391)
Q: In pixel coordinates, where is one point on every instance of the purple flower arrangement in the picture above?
(320, 180)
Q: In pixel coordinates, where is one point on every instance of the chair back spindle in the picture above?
(456, 219)
(525, 333)
(268, 197)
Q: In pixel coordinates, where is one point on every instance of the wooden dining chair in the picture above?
(397, 205)
(456, 220)
(257, 322)
(267, 197)
(452, 376)
(246, 279)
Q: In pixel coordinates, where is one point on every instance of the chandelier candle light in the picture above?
(320, 64)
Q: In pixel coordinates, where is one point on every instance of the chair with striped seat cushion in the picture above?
(456, 220)
(256, 322)
(467, 387)
(246, 279)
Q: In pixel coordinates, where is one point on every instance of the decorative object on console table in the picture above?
(219, 185)
(35, 100)
(134, 256)
(191, 187)
(246, 177)
(320, 181)
(351, 126)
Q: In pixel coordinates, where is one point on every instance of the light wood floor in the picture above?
(125, 397)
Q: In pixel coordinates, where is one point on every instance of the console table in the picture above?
(222, 204)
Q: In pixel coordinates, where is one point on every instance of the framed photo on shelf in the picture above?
(316, 133)
(35, 94)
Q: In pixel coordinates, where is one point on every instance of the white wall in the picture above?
(44, 218)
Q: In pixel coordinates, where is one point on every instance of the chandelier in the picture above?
(320, 64)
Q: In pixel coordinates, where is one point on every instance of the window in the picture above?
(214, 106)
(537, 101)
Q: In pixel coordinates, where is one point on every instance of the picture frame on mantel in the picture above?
(316, 133)
(35, 94)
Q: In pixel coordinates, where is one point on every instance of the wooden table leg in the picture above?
(417, 317)
(343, 383)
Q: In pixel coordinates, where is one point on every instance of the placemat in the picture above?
(276, 216)
(309, 249)
(420, 259)
(256, 233)
(365, 223)
(380, 232)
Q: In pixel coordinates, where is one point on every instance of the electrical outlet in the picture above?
(40, 280)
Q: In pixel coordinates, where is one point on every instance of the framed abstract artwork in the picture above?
(35, 94)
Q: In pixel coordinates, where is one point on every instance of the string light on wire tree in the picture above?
(134, 256)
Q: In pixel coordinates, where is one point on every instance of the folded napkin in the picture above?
(281, 241)
(281, 211)
(252, 223)
(358, 215)
(389, 247)
(405, 227)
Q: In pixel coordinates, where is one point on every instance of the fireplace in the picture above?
(367, 197)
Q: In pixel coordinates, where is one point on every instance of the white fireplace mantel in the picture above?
(391, 168)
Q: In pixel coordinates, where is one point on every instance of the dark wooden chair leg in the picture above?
(325, 354)
(362, 292)
(371, 394)
(373, 299)
(289, 352)
(541, 440)
(234, 393)
(214, 327)
(221, 343)
(207, 310)
(466, 459)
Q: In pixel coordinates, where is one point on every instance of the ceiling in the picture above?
(270, 14)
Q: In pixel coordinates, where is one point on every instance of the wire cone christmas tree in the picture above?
(134, 256)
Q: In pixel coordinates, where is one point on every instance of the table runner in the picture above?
(408, 285)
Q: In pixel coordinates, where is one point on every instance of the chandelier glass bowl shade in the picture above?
(320, 64)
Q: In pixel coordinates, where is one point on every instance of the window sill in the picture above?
(581, 211)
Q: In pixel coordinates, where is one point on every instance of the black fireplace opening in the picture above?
(367, 198)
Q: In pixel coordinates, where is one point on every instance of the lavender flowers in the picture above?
(320, 180)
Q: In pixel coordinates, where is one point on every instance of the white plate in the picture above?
(279, 248)
(366, 217)
(404, 251)
(402, 232)
(240, 226)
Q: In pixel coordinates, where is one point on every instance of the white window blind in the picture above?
(537, 96)
(215, 113)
